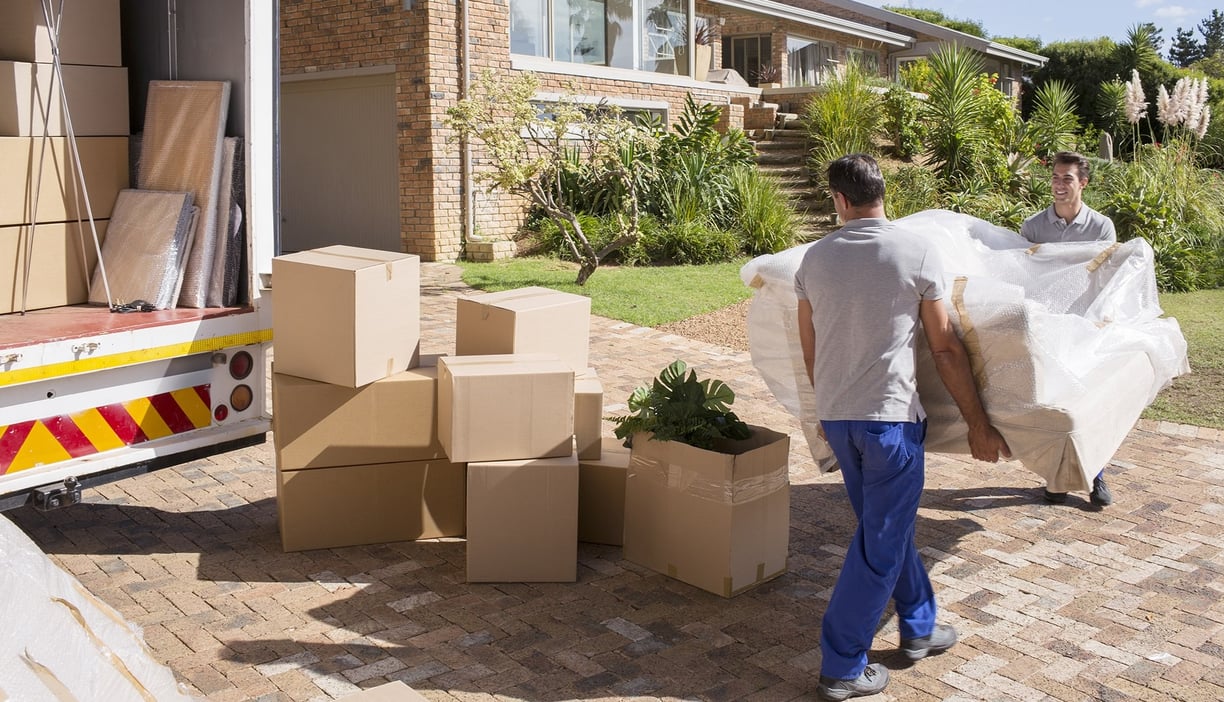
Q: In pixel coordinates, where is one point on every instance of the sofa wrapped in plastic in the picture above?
(1067, 343)
(58, 642)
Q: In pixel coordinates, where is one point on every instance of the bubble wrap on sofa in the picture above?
(1067, 342)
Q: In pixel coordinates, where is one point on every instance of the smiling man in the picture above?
(1068, 219)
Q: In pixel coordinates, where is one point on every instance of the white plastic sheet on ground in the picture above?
(58, 642)
(1067, 342)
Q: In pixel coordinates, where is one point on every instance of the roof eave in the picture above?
(816, 19)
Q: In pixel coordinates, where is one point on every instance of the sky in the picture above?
(1062, 20)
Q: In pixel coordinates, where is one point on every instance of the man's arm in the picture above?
(807, 336)
(952, 361)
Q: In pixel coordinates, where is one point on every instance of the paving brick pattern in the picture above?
(1052, 602)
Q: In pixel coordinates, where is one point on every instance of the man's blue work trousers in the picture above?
(883, 467)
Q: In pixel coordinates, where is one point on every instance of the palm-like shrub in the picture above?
(1053, 124)
(953, 113)
(843, 117)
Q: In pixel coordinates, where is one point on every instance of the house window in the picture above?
(866, 59)
(664, 36)
(807, 60)
(528, 21)
(649, 35)
(746, 55)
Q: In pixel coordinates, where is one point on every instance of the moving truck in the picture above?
(90, 395)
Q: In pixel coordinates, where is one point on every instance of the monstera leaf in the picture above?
(677, 406)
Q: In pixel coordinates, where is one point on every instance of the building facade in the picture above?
(368, 159)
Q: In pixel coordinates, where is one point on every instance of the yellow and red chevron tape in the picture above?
(50, 440)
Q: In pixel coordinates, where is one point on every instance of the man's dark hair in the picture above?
(857, 177)
(1070, 158)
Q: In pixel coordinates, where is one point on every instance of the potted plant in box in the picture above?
(707, 497)
(678, 407)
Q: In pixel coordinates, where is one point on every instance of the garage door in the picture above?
(339, 169)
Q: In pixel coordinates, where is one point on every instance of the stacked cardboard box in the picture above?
(500, 443)
(354, 406)
(43, 194)
(509, 405)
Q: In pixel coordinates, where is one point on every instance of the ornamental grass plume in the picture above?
(1136, 105)
(1186, 107)
(1163, 112)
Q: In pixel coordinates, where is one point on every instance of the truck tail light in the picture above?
(241, 397)
(241, 364)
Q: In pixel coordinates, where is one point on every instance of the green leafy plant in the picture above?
(678, 407)
(901, 121)
(766, 221)
(843, 117)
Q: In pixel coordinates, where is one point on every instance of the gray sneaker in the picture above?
(870, 682)
(941, 638)
(1100, 495)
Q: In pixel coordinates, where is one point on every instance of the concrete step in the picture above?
(782, 158)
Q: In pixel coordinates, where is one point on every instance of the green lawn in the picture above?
(648, 296)
(1196, 398)
(654, 295)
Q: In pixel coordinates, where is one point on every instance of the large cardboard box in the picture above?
(88, 31)
(61, 261)
(97, 100)
(718, 520)
(601, 494)
(346, 315)
(26, 167)
(525, 320)
(503, 408)
(523, 520)
(395, 419)
(588, 414)
(370, 504)
(395, 691)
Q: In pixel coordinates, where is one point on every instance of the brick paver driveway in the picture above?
(1053, 603)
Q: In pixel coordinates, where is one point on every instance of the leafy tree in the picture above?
(1212, 29)
(1185, 49)
(937, 17)
(1082, 66)
(1212, 67)
(1029, 44)
(530, 154)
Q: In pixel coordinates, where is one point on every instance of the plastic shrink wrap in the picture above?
(1067, 343)
(58, 642)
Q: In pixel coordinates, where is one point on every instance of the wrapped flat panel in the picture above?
(181, 151)
(223, 284)
(145, 249)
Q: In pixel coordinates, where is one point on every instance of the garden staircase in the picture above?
(782, 152)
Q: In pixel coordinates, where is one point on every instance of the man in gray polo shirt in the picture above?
(863, 291)
(1069, 219)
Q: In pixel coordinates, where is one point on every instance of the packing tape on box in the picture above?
(692, 482)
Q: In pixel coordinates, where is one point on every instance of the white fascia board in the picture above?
(1013, 54)
(816, 19)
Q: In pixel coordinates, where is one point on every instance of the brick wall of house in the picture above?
(321, 36)
(422, 44)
